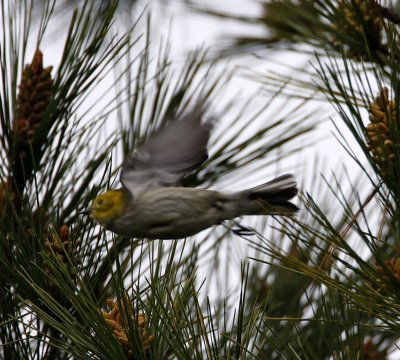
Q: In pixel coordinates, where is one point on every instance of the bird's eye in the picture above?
(100, 201)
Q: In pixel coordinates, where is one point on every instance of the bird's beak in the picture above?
(86, 212)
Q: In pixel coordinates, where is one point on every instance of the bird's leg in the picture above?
(238, 229)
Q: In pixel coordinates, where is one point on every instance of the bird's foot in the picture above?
(238, 229)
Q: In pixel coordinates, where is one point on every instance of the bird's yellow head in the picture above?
(108, 206)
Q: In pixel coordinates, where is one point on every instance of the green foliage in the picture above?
(324, 285)
(344, 249)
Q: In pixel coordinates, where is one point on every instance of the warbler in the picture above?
(153, 204)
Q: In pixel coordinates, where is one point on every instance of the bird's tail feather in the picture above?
(272, 197)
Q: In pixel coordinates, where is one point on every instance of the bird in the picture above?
(152, 202)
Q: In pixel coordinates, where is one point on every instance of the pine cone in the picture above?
(382, 115)
(371, 352)
(57, 245)
(369, 11)
(360, 21)
(115, 321)
(393, 266)
(33, 98)
(7, 195)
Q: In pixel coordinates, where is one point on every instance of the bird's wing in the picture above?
(172, 152)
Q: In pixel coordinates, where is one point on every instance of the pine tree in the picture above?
(320, 286)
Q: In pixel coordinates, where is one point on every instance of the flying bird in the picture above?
(153, 204)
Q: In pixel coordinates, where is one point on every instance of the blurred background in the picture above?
(304, 87)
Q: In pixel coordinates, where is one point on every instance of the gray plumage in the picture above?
(172, 152)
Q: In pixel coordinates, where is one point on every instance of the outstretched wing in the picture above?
(172, 152)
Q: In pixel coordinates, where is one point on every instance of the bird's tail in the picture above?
(271, 198)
